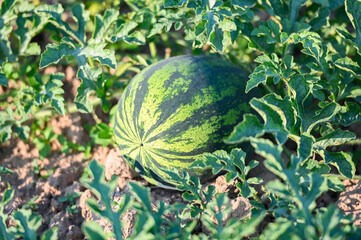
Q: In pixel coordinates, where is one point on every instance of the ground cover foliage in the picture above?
(304, 56)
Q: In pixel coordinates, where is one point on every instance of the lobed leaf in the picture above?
(353, 10)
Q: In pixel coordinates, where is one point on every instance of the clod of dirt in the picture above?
(349, 201)
(74, 233)
(85, 210)
(69, 169)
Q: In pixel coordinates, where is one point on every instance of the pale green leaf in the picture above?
(335, 184)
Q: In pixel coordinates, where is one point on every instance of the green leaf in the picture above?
(348, 65)
(341, 160)
(305, 147)
(90, 77)
(142, 194)
(29, 223)
(324, 115)
(52, 92)
(55, 52)
(312, 166)
(273, 120)
(278, 8)
(353, 10)
(174, 3)
(5, 170)
(6, 5)
(321, 20)
(302, 89)
(244, 3)
(337, 137)
(4, 80)
(7, 197)
(249, 128)
(122, 34)
(256, 78)
(81, 17)
(348, 114)
(104, 190)
(284, 108)
(50, 234)
(102, 24)
(272, 153)
(212, 21)
(294, 7)
(218, 39)
(269, 67)
(335, 184)
(311, 41)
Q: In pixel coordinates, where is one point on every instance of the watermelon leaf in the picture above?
(104, 190)
(245, 130)
(353, 10)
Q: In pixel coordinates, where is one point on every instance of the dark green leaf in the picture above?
(337, 137)
(348, 114)
(94, 231)
(174, 3)
(3, 80)
(273, 121)
(324, 115)
(341, 160)
(305, 146)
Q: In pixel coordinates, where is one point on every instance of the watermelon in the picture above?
(175, 110)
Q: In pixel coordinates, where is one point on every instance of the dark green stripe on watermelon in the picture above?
(177, 109)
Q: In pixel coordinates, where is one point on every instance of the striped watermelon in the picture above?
(177, 109)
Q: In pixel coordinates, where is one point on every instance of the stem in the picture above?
(286, 152)
(91, 62)
(354, 142)
(268, 88)
(284, 51)
(341, 177)
(152, 49)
